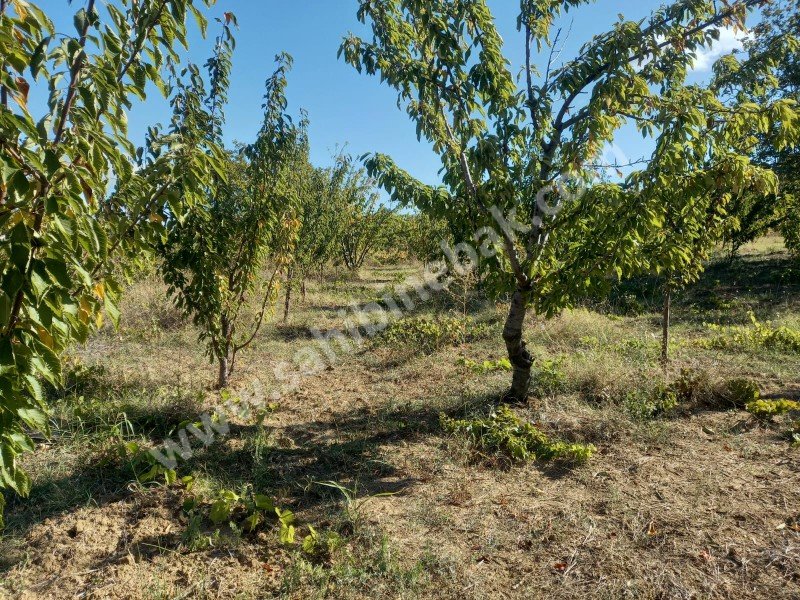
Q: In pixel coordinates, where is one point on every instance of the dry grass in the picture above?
(701, 503)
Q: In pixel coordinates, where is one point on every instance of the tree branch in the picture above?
(260, 318)
(74, 75)
(139, 42)
(560, 125)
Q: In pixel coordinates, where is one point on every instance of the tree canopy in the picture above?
(72, 199)
(515, 146)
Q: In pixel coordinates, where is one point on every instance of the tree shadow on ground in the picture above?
(92, 415)
(725, 293)
(334, 308)
(789, 391)
(90, 484)
(375, 281)
(95, 401)
(292, 332)
(344, 447)
(351, 447)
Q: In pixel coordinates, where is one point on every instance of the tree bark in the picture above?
(288, 295)
(222, 378)
(665, 318)
(224, 358)
(521, 360)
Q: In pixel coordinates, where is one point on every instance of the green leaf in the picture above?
(22, 483)
(253, 521)
(264, 502)
(5, 309)
(58, 270)
(51, 162)
(150, 474)
(22, 442)
(20, 246)
(311, 541)
(33, 386)
(46, 363)
(111, 310)
(7, 361)
(33, 418)
(200, 19)
(220, 511)
(38, 283)
(80, 21)
(286, 534)
(170, 476)
(285, 516)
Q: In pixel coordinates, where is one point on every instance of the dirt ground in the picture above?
(701, 503)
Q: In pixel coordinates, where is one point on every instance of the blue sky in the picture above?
(344, 107)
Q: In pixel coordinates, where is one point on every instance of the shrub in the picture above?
(693, 386)
(756, 336)
(690, 387)
(430, 334)
(647, 404)
(740, 392)
(629, 305)
(766, 410)
(504, 432)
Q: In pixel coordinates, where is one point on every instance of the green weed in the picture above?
(693, 386)
(548, 378)
(353, 503)
(793, 434)
(646, 404)
(430, 334)
(194, 539)
(740, 392)
(366, 566)
(504, 432)
(758, 336)
(321, 545)
(487, 366)
(766, 410)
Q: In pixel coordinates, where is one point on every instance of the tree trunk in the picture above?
(224, 359)
(303, 289)
(222, 378)
(288, 295)
(521, 360)
(665, 326)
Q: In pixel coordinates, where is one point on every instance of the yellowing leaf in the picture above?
(21, 8)
(85, 311)
(21, 96)
(45, 337)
